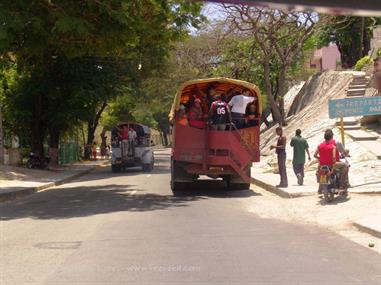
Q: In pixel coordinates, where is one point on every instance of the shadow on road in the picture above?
(70, 202)
(85, 201)
(215, 189)
(337, 200)
(161, 167)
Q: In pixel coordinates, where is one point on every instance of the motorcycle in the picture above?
(329, 183)
(37, 161)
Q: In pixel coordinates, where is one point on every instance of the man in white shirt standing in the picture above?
(238, 107)
(131, 141)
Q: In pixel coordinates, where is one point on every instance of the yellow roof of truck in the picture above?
(221, 84)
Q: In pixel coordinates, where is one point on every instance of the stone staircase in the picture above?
(352, 127)
(358, 86)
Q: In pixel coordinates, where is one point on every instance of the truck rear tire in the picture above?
(235, 185)
(115, 168)
(239, 186)
(328, 195)
(176, 187)
(147, 167)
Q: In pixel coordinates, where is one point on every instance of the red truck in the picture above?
(198, 150)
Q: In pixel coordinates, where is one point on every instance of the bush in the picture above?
(379, 52)
(363, 62)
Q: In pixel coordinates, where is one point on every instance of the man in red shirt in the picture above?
(328, 154)
(124, 136)
(124, 133)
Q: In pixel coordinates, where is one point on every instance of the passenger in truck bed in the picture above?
(251, 115)
(238, 106)
(196, 94)
(182, 116)
(210, 98)
(196, 116)
(219, 114)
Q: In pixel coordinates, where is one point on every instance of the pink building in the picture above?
(325, 58)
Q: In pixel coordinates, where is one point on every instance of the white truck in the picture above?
(131, 153)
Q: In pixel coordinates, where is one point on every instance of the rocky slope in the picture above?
(309, 112)
(309, 109)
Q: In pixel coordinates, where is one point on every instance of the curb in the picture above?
(278, 191)
(364, 192)
(31, 190)
(367, 230)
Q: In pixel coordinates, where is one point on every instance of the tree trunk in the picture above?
(164, 137)
(1, 138)
(37, 128)
(92, 125)
(277, 117)
(90, 132)
(37, 137)
(90, 139)
(54, 140)
(282, 91)
(362, 37)
(348, 55)
(367, 38)
(83, 138)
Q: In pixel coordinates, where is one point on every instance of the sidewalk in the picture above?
(371, 224)
(16, 182)
(266, 179)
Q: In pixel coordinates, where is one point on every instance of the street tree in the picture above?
(43, 37)
(279, 37)
(351, 34)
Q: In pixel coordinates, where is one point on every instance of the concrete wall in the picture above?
(326, 58)
(331, 56)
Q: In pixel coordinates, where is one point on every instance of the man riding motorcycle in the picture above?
(328, 155)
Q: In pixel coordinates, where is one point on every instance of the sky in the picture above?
(211, 11)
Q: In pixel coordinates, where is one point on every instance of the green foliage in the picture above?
(119, 110)
(379, 52)
(154, 97)
(363, 62)
(31, 30)
(240, 58)
(74, 58)
(346, 32)
(211, 53)
(65, 93)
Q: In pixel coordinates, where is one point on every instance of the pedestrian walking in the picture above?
(94, 150)
(280, 149)
(300, 147)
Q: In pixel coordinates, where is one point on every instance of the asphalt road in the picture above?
(128, 229)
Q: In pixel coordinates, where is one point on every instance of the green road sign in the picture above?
(353, 107)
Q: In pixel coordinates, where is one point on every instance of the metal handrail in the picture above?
(248, 147)
(233, 128)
